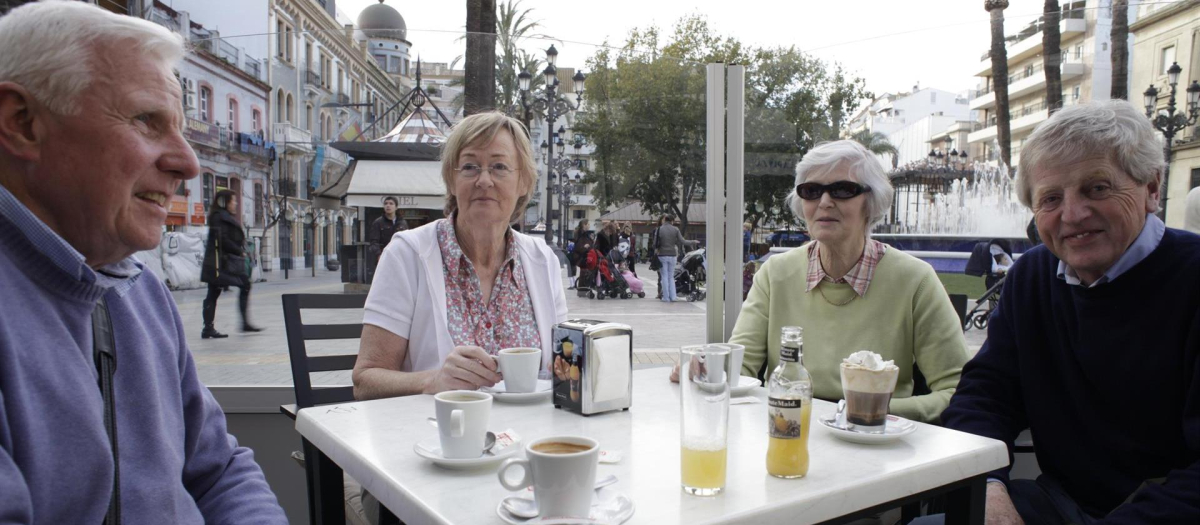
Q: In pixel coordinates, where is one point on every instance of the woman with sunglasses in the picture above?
(852, 293)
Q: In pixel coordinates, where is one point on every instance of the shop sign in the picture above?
(200, 132)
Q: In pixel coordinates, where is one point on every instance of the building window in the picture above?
(1078, 52)
(233, 113)
(222, 183)
(1195, 178)
(1166, 58)
(208, 190)
(256, 120)
(308, 117)
(205, 103)
(1075, 92)
(579, 214)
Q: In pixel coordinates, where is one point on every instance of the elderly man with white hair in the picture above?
(1095, 346)
(850, 292)
(102, 416)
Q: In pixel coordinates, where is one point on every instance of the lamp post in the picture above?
(549, 105)
(1172, 120)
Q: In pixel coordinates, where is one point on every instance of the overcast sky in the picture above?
(892, 44)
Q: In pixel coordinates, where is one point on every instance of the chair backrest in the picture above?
(959, 301)
(298, 334)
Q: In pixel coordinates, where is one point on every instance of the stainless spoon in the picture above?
(523, 507)
(489, 439)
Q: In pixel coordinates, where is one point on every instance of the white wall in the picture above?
(912, 141)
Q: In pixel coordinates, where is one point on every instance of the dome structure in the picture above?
(382, 21)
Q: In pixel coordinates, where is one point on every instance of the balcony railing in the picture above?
(252, 68)
(1018, 113)
(289, 136)
(1013, 78)
(253, 145)
(312, 77)
(226, 51)
(285, 188)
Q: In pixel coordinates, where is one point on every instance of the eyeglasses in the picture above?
(471, 171)
(840, 190)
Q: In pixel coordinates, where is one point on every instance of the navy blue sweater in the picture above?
(1107, 379)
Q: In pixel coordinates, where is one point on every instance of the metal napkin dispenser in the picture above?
(593, 366)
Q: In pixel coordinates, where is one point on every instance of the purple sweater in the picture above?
(178, 463)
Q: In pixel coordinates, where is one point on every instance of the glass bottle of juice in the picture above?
(789, 400)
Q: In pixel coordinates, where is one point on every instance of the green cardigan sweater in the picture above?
(904, 316)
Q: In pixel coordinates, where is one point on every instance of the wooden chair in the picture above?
(321, 472)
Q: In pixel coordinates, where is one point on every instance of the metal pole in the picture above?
(715, 209)
(549, 163)
(735, 175)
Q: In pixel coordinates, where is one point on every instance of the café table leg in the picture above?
(326, 498)
(964, 505)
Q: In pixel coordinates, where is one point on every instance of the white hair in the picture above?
(53, 48)
(851, 156)
(1113, 129)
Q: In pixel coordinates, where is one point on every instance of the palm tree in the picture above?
(1120, 49)
(1000, 77)
(877, 143)
(480, 73)
(512, 26)
(1052, 56)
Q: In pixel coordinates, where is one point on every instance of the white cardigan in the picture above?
(408, 295)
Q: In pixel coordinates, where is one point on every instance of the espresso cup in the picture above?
(562, 472)
(519, 366)
(868, 394)
(462, 418)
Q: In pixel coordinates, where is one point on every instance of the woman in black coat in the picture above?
(225, 246)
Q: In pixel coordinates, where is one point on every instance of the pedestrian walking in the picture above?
(225, 262)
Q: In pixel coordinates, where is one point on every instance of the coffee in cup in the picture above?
(520, 366)
(562, 472)
(867, 385)
(462, 419)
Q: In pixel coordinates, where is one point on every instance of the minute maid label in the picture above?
(784, 417)
(789, 354)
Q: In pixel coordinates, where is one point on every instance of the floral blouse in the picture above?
(507, 321)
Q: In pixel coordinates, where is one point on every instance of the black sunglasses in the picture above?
(842, 189)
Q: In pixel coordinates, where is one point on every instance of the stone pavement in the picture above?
(261, 359)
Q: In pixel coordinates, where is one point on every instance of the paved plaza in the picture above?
(262, 359)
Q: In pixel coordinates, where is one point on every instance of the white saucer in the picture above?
(744, 386)
(608, 506)
(542, 392)
(431, 449)
(895, 428)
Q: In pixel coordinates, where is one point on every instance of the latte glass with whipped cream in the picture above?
(867, 385)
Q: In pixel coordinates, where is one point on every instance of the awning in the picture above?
(417, 184)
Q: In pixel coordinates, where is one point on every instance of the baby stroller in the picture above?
(612, 282)
(589, 274)
(690, 276)
(990, 260)
(635, 284)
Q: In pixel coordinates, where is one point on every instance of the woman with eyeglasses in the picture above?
(850, 292)
(449, 295)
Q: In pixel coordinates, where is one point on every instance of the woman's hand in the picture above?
(466, 368)
(562, 369)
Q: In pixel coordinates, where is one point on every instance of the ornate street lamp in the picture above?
(1171, 121)
(549, 105)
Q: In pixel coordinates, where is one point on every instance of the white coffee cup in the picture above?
(462, 418)
(520, 366)
(563, 481)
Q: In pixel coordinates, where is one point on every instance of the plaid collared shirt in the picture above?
(859, 276)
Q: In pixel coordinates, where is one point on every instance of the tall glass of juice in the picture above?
(704, 414)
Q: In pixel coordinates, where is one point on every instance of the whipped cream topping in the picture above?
(868, 360)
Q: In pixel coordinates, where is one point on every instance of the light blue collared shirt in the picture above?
(1142, 247)
(119, 276)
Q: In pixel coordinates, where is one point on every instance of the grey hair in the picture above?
(52, 48)
(852, 156)
(1115, 129)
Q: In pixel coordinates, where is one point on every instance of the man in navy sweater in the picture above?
(91, 150)
(1095, 346)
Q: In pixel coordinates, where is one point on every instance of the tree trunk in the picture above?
(1000, 78)
(1120, 49)
(1052, 57)
(480, 75)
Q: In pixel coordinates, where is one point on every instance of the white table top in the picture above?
(373, 442)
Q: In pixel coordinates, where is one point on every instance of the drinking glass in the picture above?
(704, 417)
